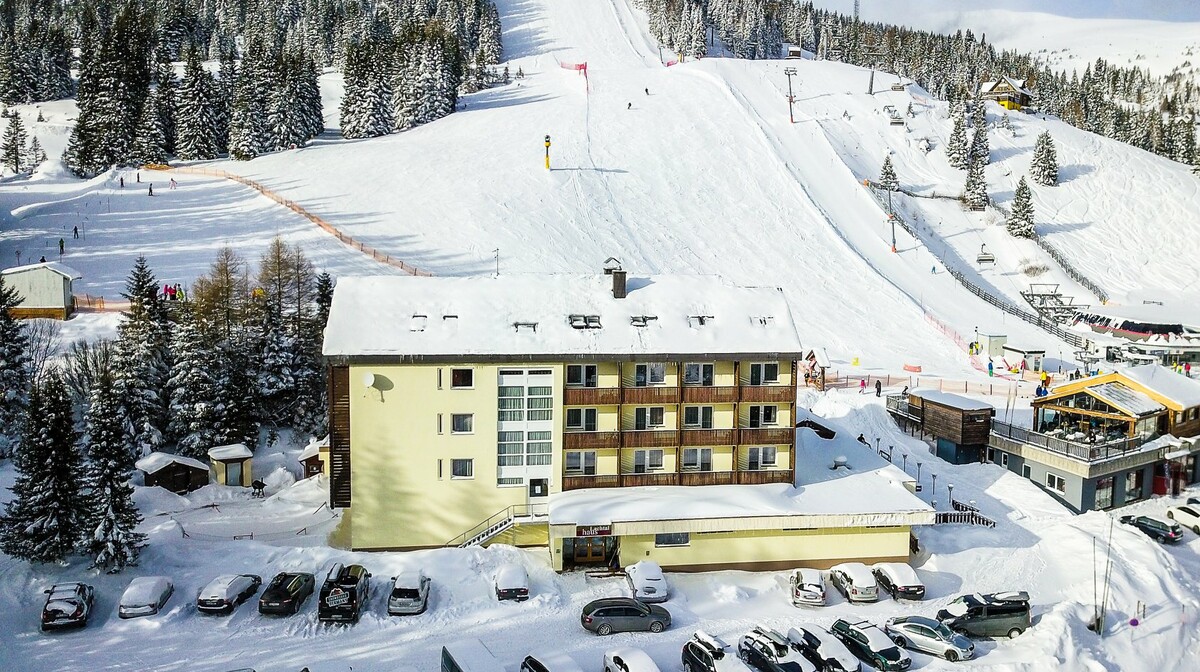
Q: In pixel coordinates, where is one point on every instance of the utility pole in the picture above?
(497, 253)
(547, 152)
(660, 58)
(791, 99)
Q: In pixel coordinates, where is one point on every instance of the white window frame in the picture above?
(701, 367)
(762, 375)
(1053, 481)
(651, 368)
(648, 411)
(470, 371)
(761, 410)
(581, 425)
(454, 417)
(583, 375)
(583, 457)
(646, 454)
(1004, 459)
(456, 462)
(700, 419)
(660, 540)
(761, 453)
(697, 461)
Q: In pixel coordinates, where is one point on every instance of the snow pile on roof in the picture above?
(1126, 398)
(1177, 388)
(61, 269)
(556, 314)
(313, 448)
(157, 461)
(952, 400)
(234, 451)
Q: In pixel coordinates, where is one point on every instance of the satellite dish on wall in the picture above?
(369, 379)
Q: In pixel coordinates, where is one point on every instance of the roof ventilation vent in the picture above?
(417, 323)
(840, 462)
(699, 320)
(529, 327)
(641, 320)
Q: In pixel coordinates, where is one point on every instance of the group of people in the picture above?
(1185, 368)
(174, 292)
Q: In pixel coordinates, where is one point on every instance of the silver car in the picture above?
(925, 634)
(145, 596)
(410, 594)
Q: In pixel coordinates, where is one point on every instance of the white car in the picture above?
(227, 591)
(854, 581)
(549, 661)
(512, 583)
(765, 649)
(807, 587)
(628, 660)
(926, 634)
(1187, 516)
(823, 645)
(409, 595)
(898, 580)
(647, 582)
(145, 596)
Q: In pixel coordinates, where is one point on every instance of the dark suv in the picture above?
(1163, 531)
(872, 645)
(705, 653)
(988, 615)
(344, 593)
(623, 614)
(68, 605)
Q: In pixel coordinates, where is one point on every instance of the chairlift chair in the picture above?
(985, 257)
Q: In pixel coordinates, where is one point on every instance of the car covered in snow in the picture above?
(1187, 515)
(647, 582)
(409, 595)
(807, 587)
(551, 661)
(628, 659)
(898, 580)
(766, 650)
(705, 653)
(1162, 531)
(925, 634)
(988, 614)
(854, 581)
(224, 593)
(145, 596)
(286, 593)
(344, 594)
(511, 582)
(623, 614)
(820, 646)
(68, 605)
(872, 645)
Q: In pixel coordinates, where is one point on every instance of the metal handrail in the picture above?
(1083, 451)
(503, 515)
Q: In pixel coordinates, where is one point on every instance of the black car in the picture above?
(68, 605)
(344, 594)
(1163, 531)
(705, 653)
(286, 593)
(988, 615)
(872, 645)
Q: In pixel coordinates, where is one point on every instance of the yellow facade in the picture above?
(221, 476)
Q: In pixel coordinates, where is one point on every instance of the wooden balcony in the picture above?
(767, 436)
(633, 480)
(650, 395)
(707, 437)
(709, 395)
(580, 482)
(650, 438)
(777, 393)
(761, 477)
(707, 478)
(591, 396)
(591, 440)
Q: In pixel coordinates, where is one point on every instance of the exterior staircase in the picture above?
(501, 521)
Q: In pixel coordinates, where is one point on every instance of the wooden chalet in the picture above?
(176, 473)
(1010, 93)
(1143, 401)
(960, 425)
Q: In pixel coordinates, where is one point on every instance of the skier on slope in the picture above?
(647, 91)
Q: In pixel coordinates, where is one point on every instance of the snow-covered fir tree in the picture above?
(34, 154)
(14, 370)
(1020, 218)
(887, 176)
(980, 148)
(196, 113)
(12, 150)
(110, 536)
(956, 147)
(1044, 168)
(44, 521)
(142, 359)
(975, 194)
(150, 143)
(166, 84)
(194, 401)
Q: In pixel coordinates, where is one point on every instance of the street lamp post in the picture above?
(918, 471)
(950, 487)
(791, 99)
(934, 486)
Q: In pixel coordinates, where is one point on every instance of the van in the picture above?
(990, 615)
(344, 593)
(469, 655)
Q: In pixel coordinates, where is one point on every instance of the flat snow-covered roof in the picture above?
(532, 315)
(1176, 387)
(1126, 398)
(61, 269)
(157, 461)
(952, 400)
(234, 451)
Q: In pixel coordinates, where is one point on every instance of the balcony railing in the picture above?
(580, 482)
(707, 478)
(761, 477)
(633, 480)
(1088, 452)
(766, 436)
(591, 440)
(591, 396)
(707, 437)
(709, 395)
(650, 395)
(768, 393)
(649, 438)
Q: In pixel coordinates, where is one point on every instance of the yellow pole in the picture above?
(547, 152)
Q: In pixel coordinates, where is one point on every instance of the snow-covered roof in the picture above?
(234, 451)
(1024, 351)
(61, 269)
(1172, 386)
(552, 315)
(1017, 85)
(1169, 313)
(157, 461)
(313, 448)
(1125, 398)
(952, 400)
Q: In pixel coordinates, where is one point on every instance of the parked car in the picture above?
(628, 660)
(224, 593)
(511, 583)
(898, 580)
(705, 653)
(854, 581)
(872, 645)
(807, 587)
(410, 594)
(344, 594)
(68, 605)
(1188, 516)
(469, 655)
(988, 615)
(647, 582)
(925, 634)
(286, 593)
(820, 646)
(549, 662)
(623, 614)
(145, 596)
(1162, 531)
(766, 650)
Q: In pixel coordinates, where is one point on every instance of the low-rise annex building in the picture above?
(499, 409)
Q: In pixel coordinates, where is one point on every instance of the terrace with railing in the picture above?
(1088, 452)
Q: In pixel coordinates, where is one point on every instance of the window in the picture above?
(540, 402)
(1134, 489)
(1104, 493)
(672, 539)
(646, 418)
(512, 482)
(582, 375)
(764, 373)
(462, 468)
(1027, 472)
(649, 374)
(698, 416)
(510, 403)
(537, 448)
(510, 449)
(647, 460)
(1004, 460)
(697, 459)
(581, 462)
(462, 378)
(439, 423)
(760, 456)
(461, 423)
(581, 419)
(763, 416)
(439, 470)
(584, 321)
(698, 374)
(991, 455)
(1056, 482)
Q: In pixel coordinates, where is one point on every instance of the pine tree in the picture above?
(44, 521)
(164, 99)
(196, 123)
(1044, 168)
(887, 176)
(14, 370)
(142, 359)
(1020, 219)
(194, 413)
(975, 194)
(34, 154)
(12, 151)
(366, 111)
(956, 147)
(111, 539)
(149, 145)
(980, 149)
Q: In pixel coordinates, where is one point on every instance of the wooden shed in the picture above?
(314, 459)
(231, 464)
(176, 473)
(960, 425)
(816, 362)
(1024, 359)
(45, 289)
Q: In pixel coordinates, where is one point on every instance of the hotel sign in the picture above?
(593, 530)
